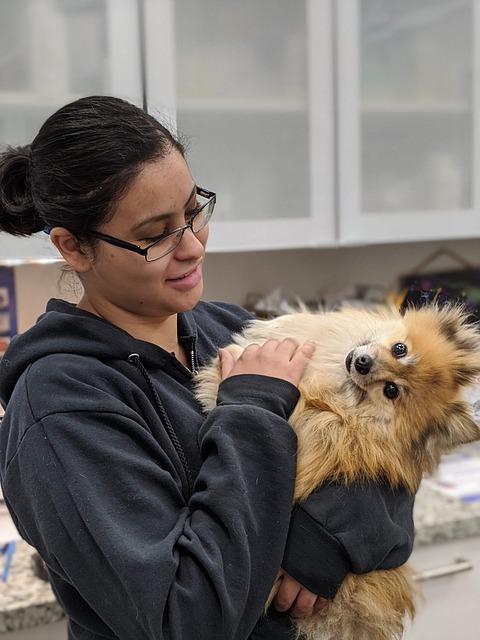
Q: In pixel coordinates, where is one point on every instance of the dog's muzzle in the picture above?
(362, 363)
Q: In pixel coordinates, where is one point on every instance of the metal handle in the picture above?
(457, 566)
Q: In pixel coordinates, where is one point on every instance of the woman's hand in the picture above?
(291, 597)
(284, 359)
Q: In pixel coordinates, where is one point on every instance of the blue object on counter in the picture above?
(7, 550)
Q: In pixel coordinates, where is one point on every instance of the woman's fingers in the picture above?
(226, 362)
(320, 604)
(287, 592)
(284, 359)
(296, 599)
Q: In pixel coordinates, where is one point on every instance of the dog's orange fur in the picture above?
(349, 431)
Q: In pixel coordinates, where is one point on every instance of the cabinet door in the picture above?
(254, 101)
(53, 52)
(450, 608)
(408, 138)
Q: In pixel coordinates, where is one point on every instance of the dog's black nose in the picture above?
(363, 364)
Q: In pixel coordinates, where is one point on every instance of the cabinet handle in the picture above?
(444, 570)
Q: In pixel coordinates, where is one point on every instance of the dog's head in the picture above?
(403, 380)
(386, 386)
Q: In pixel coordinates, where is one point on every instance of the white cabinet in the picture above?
(317, 122)
(450, 609)
(254, 96)
(407, 120)
(52, 52)
(326, 122)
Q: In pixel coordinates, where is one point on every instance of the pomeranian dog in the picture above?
(381, 398)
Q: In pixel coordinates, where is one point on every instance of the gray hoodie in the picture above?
(156, 521)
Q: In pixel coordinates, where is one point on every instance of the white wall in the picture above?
(305, 273)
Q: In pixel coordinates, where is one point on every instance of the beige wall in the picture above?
(305, 273)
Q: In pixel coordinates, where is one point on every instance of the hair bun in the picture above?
(17, 211)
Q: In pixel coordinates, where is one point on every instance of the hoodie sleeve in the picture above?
(99, 498)
(341, 529)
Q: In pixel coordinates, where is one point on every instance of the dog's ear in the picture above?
(455, 325)
(455, 428)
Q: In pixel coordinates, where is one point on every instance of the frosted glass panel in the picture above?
(54, 51)
(14, 66)
(243, 104)
(52, 45)
(416, 84)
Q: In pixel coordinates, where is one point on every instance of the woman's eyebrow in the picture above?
(161, 216)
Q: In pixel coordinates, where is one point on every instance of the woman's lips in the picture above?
(188, 281)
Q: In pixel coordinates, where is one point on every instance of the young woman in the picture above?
(154, 520)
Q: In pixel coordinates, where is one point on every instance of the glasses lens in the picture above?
(203, 216)
(162, 247)
(199, 221)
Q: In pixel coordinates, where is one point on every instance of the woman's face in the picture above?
(122, 282)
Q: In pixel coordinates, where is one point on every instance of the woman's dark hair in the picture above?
(78, 166)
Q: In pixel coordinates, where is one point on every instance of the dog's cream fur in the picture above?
(348, 430)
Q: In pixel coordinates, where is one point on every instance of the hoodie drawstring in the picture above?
(134, 358)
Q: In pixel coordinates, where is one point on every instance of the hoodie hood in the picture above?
(64, 328)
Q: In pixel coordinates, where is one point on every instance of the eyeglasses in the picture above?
(168, 242)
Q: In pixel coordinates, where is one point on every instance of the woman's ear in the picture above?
(71, 250)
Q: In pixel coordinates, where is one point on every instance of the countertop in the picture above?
(27, 601)
(439, 518)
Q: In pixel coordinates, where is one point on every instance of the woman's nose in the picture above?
(192, 244)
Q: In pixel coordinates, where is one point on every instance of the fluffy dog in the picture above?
(381, 398)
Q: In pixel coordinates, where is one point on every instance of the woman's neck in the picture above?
(160, 331)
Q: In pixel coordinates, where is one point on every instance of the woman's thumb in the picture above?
(226, 362)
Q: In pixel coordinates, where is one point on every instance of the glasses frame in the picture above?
(200, 191)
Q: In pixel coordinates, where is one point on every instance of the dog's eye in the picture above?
(390, 390)
(399, 350)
